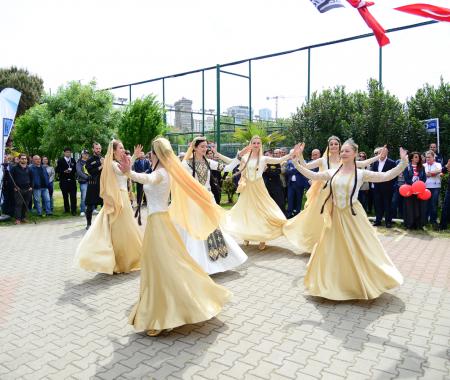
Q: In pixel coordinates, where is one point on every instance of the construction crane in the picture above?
(276, 103)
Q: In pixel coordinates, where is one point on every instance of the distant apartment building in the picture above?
(198, 123)
(183, 115)
(240, 113)
(265, 114)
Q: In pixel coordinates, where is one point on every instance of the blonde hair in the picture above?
(244, 163)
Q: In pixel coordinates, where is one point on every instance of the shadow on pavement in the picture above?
(144, 357)
(351, 322)
(74, 293)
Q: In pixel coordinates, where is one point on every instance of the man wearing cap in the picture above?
(83, 177)
(66, 169)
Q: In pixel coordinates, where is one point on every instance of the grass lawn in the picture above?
(58, 213)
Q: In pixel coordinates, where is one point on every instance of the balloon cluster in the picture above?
(418, 188)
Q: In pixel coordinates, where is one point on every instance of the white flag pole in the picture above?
(437, 134)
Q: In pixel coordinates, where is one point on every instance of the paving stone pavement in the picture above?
(58, 322)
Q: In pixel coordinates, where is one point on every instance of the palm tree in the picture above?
(244, 135)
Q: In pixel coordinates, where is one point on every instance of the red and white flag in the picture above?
(427, 10)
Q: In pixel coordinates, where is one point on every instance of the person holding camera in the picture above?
(22, 179)
(66, 169)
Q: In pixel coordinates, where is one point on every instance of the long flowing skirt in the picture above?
(349, 262)
(174, 289)
(304, 230)
(198, 249)
(255, 216)
(111, 248)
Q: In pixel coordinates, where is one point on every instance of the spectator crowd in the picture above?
(28, 184)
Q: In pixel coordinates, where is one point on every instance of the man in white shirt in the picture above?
(433, 171)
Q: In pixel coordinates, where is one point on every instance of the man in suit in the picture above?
(66, 168)
(94, 166)
(382, 192)
(296, 185)
(141, 165)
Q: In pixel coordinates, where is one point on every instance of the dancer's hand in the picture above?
(137, 150)
(125, 164)
(244, 151)
(298, 149)
(403, 154)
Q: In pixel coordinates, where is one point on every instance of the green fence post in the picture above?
(250, 90)
(380, 67)
(203, 102)
(164, 100)
(309, 75)
(218, 107)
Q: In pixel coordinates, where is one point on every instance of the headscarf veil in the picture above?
(192, 207)
(190, 152)
(109, 188)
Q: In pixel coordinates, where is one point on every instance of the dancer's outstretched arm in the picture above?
(365, 163)
(278, 160)
(298, 152)
(323, 176)
(371, 176)
(311, 164)
(125, 169)
(220, 156)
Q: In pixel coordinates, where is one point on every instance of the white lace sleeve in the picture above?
(324, 176)
(371, 176)
(144, 178)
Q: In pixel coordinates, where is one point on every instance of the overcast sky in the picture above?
(117, 42)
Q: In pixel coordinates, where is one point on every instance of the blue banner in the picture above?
(431, 125)
(7, 126)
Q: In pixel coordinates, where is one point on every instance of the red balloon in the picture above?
(425, 195)
(405, 190)
(418, 187)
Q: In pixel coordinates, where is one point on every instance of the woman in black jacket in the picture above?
(414, 208)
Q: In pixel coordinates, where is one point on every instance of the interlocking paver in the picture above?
(60, 322)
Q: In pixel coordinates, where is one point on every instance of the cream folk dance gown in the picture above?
(255, 216)
(112, 247)
(198, 249)
(304, 229)
(174, 289)
(349, 261)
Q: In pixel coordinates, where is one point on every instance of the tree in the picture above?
(432, 102)
(31, 86)
(78, 116)
(325, 114)
(141, 122)
(385, 119)
(244, 135)
(29, 129)
(373, 118)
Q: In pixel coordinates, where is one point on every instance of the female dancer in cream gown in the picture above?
(255, 216)
(174, 289)
(349, 261)
(304, 230)
(113, 244)
(219, 252)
